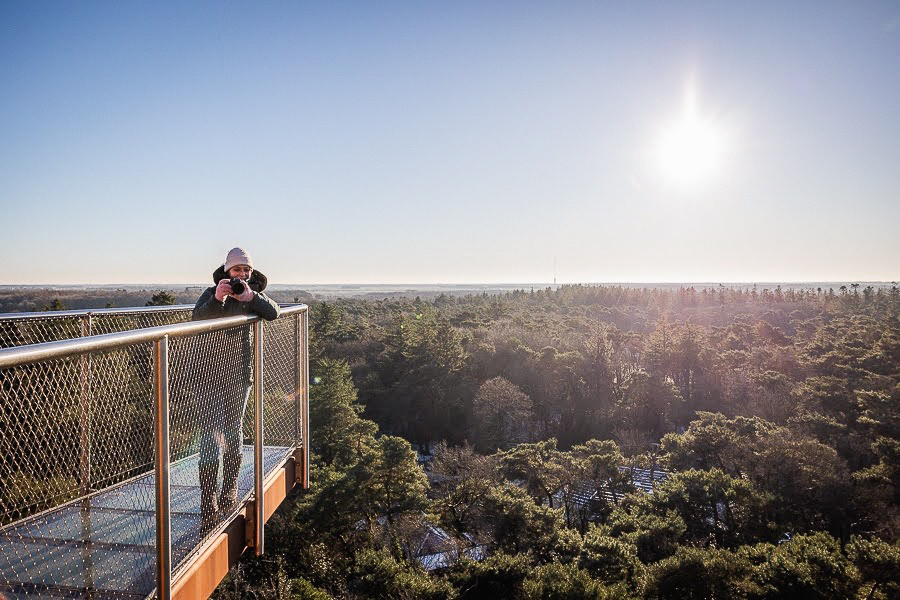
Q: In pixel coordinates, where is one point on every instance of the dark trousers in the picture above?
(221, 414)
(220, 427)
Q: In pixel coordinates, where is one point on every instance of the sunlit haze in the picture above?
(450, 142)
(691, 147)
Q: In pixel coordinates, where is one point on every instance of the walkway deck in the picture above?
(104, 546)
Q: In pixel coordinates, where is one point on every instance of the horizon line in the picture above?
(476, 283)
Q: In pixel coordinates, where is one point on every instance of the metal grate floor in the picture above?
(104, 546)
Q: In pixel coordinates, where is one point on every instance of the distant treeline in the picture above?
(29, 299)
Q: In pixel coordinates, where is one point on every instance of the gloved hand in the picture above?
(223, 290)
(248, 294)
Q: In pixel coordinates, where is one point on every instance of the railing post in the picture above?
(85, 458)
(298, 387)
(85, 420)
(304, 362)
(163, 507)
(301, 385)
(258, 474)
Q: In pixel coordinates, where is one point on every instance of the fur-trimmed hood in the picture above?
(258, 281)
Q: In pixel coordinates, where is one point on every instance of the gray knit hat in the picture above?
(238, 256)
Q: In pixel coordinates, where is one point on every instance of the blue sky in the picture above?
(449, 142)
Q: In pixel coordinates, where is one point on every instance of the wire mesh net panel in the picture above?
(112, 322)
(34, 328)
(40, 422)
(211, 394)
(17, 331)
(77, 435)
(70, 427)
(210, 380)
(280, 401)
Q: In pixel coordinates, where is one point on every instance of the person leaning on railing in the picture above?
(226, 382)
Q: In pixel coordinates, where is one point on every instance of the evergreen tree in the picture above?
(161, 298)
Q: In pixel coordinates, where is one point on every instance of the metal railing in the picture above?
(110, 445)
(21, 329)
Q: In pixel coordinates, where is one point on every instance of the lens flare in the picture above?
(691, 148)
(690, 151)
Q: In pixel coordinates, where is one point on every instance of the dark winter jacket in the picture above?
(208, 307)
(226, 357)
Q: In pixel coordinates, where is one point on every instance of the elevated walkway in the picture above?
(88, 520)
(106, 544)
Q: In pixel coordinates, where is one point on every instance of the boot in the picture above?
(231, 467)
(209, 510)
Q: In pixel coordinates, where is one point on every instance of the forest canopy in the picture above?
(765, 421)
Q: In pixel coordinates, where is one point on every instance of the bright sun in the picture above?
(691, 148)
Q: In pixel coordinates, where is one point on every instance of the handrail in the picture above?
(23, 355)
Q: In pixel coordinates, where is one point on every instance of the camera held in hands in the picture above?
(237, 286)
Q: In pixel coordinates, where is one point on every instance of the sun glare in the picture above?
(690, 148)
